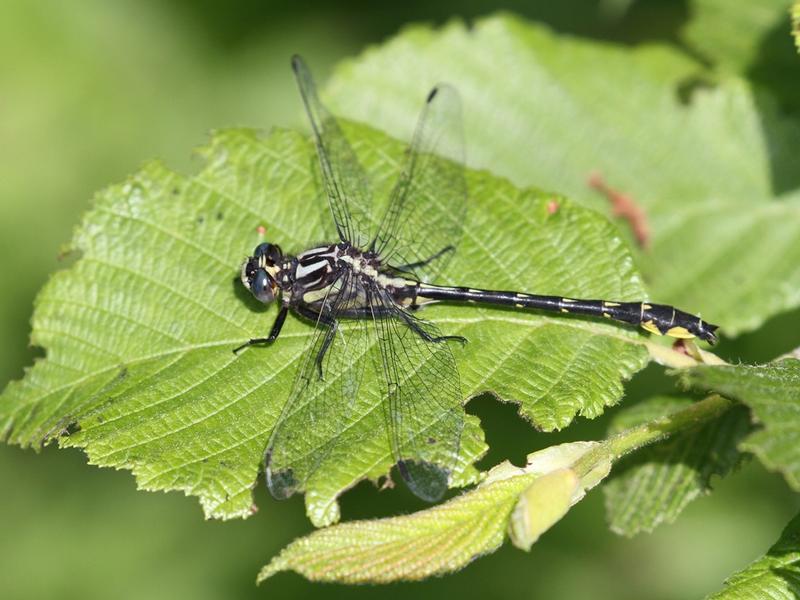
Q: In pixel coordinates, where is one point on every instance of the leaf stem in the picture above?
(634, 438)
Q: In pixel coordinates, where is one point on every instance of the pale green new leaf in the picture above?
(772, 392)
(718, 177)
(139, 331)
(776, 575)
(655, 484)
(541, 505)
(445, 538)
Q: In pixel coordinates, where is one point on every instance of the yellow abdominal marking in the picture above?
(680, 332)
(606, 315)
(567, 300)
(564, 310)
(310, 297)
(650, 326)
(610, 304)
(395, 282)
(646, 306)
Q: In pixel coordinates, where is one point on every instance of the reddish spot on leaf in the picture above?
(625, 207)
(552, 207)
(261, 230)
(680, 346)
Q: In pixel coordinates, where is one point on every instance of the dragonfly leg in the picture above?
(326, 344)
(322, 319)
(273, 334)
(415, 327)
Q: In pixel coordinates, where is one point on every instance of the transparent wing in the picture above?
(315, 412)
(343, 177)
(427, 206)
(422, 406)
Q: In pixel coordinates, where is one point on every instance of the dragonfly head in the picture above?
(260, 272)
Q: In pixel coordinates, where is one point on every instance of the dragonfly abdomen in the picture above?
(660, 319)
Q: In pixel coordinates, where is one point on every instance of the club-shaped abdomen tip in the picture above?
(708, 332)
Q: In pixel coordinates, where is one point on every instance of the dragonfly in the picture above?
(363, 292)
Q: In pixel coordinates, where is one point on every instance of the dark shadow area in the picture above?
(233, 23)
(712, 449)
(777, 67)
(687, 88)
(650, 381)
(781, 132)
(779, 335)
(369, 501)
(18, 331)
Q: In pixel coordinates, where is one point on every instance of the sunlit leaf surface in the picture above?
(139, 331)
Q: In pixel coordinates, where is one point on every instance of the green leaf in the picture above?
(749, 39)
(654, 485)
(139, 331)
(445, 538)
(775, 575)
(772, 391)
(796, 23)
(717, 173)
(735, 35)
(541, 505)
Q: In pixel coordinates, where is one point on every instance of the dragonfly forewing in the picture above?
(428, 204)
(343, 178)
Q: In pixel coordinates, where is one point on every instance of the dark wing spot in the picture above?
(281, 484)
(426, 480)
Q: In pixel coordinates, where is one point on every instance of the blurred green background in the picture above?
(88, 91)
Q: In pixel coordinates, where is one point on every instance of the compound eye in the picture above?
(275, 253)
(262, 287)
(262, 249)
